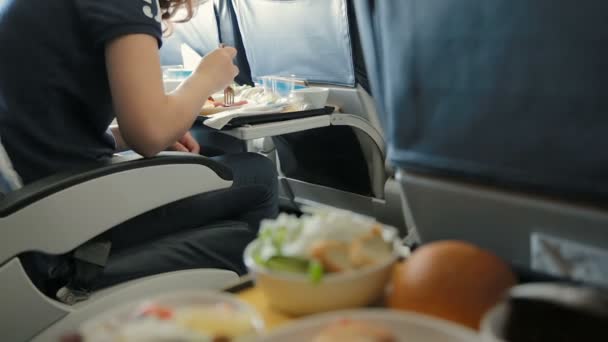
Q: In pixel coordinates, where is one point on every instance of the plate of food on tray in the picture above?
(371, 325)
(197, 316)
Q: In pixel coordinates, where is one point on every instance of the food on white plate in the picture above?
(355, 331)
(194, 323)
(235, 104)
(243, 95)
(213, 103)
(258, 95)
(251, 93)
(247, 96)
(322, 241)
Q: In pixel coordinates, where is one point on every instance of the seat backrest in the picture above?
(506, 91)
(494, 113)
(9, 180)
(230, 34)
(314, 40)
(307, 38)
(214, 22)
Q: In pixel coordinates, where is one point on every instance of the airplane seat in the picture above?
(63, 216)
(312, 40)
(9, 179)
(210, 26)
(495, 114)
(361, 77)
(230, 34)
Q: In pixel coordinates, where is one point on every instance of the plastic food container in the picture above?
(296, 294)
(184, 316)
(315, 97)
(173, 76)
(176, 73)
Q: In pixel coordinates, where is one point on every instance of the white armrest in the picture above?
(58, 219)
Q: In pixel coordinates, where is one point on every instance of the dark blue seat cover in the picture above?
(508, 92)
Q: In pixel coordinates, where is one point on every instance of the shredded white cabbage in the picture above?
(291, 236)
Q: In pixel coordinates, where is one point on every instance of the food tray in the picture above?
(267, 118)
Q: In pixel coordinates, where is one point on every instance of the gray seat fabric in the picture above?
(511, 93)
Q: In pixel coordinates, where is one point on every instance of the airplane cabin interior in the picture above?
(377, 170)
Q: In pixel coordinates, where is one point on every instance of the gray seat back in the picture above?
(509, 93)
(495, 113)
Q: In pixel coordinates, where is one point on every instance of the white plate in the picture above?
(104, 326)
(219, 120)
(405, 326)
(209, 110)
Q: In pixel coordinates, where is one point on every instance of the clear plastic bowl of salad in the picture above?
(326, 259)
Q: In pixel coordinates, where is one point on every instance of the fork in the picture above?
(228, 96)
(229, 91)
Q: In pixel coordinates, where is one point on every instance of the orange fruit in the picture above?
(453, 280)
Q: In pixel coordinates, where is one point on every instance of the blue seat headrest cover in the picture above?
(508, 91)
(306, 38)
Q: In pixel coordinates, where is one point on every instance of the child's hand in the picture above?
(186, 144)
(217, 68)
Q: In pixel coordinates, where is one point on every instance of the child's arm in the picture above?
(149, 119)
